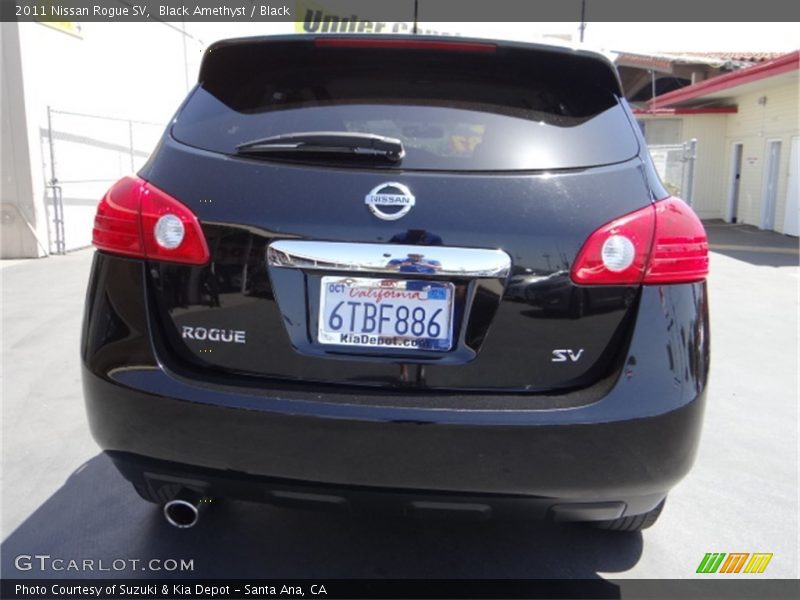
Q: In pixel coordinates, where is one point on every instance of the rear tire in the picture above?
(633, 522)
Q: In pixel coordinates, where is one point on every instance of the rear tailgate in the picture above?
(513, 153)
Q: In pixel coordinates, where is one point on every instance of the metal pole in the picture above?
(61, 238)
(583, 18)
(416, 13)
(688, 187)
(185, 55)
(52, 152)
(130, 144)
(652, 89)
(58, 204)
(104, 117)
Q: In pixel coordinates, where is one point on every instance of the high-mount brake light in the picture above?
(404, 44)
(135, 218)
(661, 243)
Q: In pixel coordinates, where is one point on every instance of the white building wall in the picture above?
(18, 234)
(138, 71)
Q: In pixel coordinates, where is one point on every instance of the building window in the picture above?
(659, 132)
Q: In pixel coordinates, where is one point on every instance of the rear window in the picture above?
(456, 111)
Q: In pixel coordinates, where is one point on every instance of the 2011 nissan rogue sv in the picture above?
(422, 274)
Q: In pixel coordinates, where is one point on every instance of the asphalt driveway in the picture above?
(62, 498)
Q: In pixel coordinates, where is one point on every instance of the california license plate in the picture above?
(386, 313)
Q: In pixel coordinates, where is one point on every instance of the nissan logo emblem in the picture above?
(392, 195)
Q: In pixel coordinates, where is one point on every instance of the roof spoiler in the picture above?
(243, 55)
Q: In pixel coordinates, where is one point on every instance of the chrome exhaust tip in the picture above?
(183, 511)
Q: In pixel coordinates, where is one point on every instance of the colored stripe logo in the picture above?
(758, 562)
(734, 562)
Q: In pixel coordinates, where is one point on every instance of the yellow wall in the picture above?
(709, 131)
(709, 168)
(754, 125)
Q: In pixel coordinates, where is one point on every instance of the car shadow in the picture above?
(752, 245)
(96, 515)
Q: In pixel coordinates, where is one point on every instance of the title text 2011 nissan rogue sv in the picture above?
(424, 274)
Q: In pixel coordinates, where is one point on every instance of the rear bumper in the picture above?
(163, 480)
(618, 454)
(263, 454)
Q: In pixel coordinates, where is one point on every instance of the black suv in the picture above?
(427, 275)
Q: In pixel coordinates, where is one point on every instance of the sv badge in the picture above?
(567, 354)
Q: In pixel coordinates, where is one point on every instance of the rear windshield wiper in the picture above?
(330, 142)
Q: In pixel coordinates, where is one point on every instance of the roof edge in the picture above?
(708, 110)
(782, 64)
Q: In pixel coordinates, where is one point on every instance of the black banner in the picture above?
(119, 589)
(399, 10)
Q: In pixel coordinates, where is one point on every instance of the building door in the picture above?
(736, 174)
(791, 221)
(770, 189)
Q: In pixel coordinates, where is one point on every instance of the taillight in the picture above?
(136, 218)
(661, 243)
(680, 248)
(170, 231)
(116, 223)
(598, 262)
